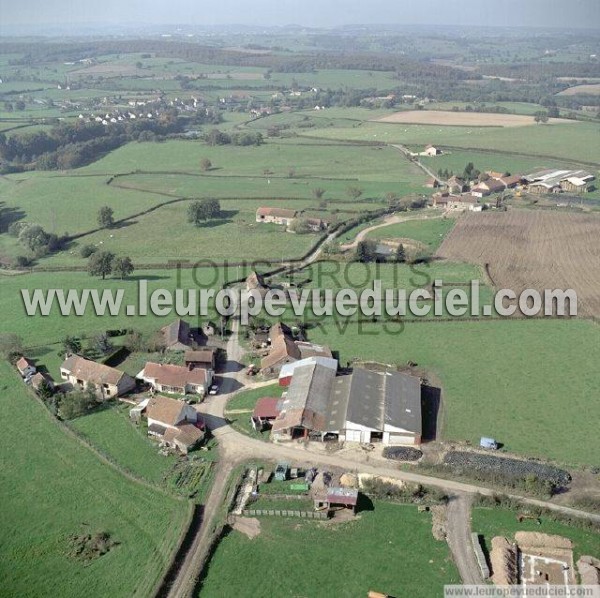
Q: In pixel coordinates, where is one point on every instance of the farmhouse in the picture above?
(462, 202)
(174, 423)
(284, 349)
(363, 406)
(440, 199)
(465, 201)
(456, 184)
(176, 379)
(432, 183)
(316, 224)
(432, 151)
(26, 367)
(282, 216)
(201, 358)
(509, 181)
(488, 187)
(108, 382)
(177, 336)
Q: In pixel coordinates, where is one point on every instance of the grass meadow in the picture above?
(41, 331)
(569, 142)
(505, 379)
(53, 488)
(430, 233)
(115, 435)
(389, 549)
(277, 174)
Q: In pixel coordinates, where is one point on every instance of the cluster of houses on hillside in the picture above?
(142, 109)
(286, 217)
(319, 403)
(173, 421)
(458, 194)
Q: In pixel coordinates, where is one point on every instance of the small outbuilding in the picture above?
(26, 367)
(265, 412)
(337, 497)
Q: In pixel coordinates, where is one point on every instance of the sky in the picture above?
(311, 13)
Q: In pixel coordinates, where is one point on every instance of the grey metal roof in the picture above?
(307, 401)
(375, 399)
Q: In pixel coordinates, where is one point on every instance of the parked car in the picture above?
(213, 390)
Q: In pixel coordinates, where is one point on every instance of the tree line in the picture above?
(73, 144)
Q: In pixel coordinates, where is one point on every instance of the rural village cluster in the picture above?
(324, 322)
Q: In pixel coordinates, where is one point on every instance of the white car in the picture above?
(213, 390)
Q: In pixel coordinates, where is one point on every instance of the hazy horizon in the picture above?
(35, 14)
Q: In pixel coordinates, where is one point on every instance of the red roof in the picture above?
(266, 408)
(342, 496)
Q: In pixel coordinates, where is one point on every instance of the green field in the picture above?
(429, 233)
(40, 331)
(284, 174)
(389, 549)
(111, 431)
(491, 522)
(53, 488)
(570, 141)
(504, 379)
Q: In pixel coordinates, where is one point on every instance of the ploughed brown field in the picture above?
(532, 250)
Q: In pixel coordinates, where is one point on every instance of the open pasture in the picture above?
(575, 141)
(55, 488)
(503, 378)
(165, 234)
(38, 332)
(348, 161)
(376, 550)
(541, 250)
(428, 233)
(62, 203)
(460, 119)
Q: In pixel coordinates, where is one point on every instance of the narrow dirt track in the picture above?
(391, 219)
(458, 535)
